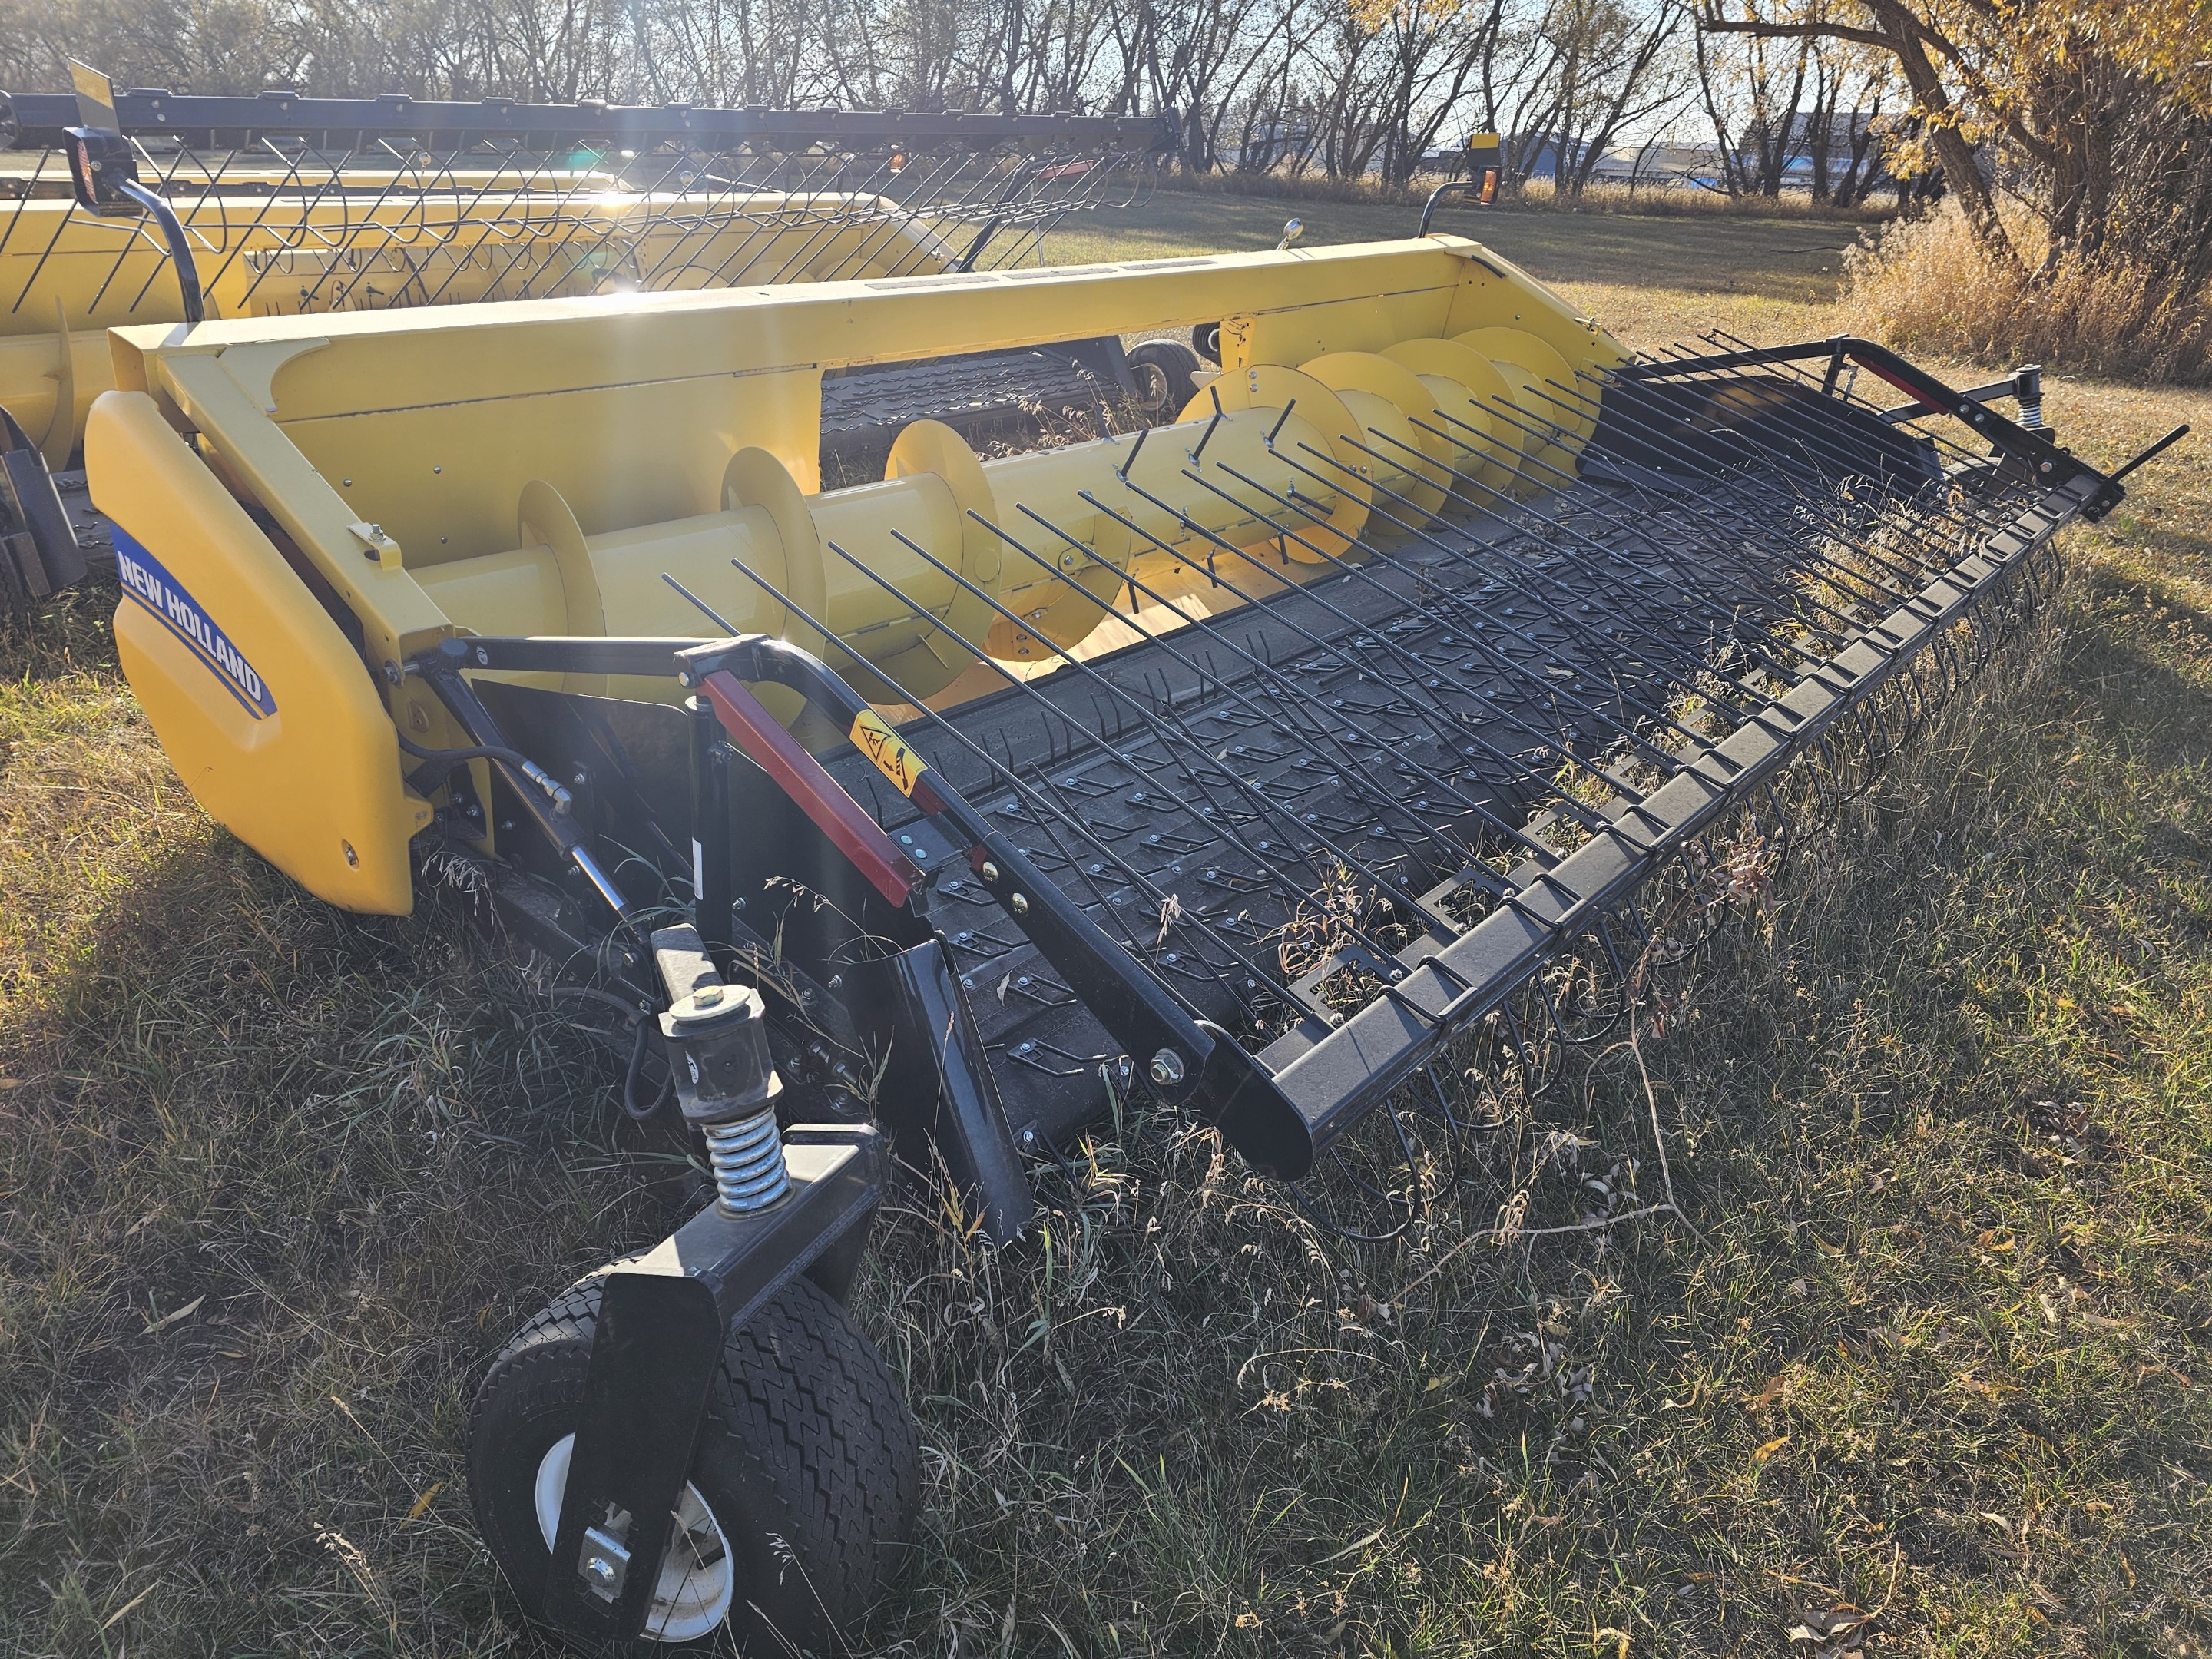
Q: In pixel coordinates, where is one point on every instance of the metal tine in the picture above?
(1298, 706)
(1353, 776)
(1591, 634)
(604, 230)
(561, 229)
(609, 230)
(1693, 370)
(1414, 1206)
(1299, 828)
(1696, 368)
(160, 261)
(772, 227)
(368, 217)
(717, 212)
(678, 254)
(1365, 571)
(522, 235)
(1137, 878)
(276, 195)
(1551, 692)
(1044, 803)
(878, 227)
(1761, 531)
(1535, 1077)
(1151, 716)
(889, 222)
(46, 253)
(1455, 1131)
(1567, 483)
(22, 205)
(719, 201)
(462, 217)
(829, 229)
(1459, 736)
(1876, 597)
(1453, 734)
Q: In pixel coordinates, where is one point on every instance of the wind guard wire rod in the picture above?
(1448, 731)
(1451, 730)
(1416, 526)
(1731, 618)
(1708, 369)
(1842, 575)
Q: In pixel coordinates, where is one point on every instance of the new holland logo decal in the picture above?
(155, 590)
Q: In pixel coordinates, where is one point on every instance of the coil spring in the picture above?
(747, 1157)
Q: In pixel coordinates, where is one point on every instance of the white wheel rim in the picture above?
(698, 1578)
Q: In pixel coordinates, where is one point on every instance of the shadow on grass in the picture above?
(71, 634)
(281, 1181)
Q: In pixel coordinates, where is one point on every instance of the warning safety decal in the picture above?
(873, 738)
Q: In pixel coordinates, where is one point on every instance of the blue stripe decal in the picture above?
(157, 592)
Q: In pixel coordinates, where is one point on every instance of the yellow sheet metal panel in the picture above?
(1498, 293)
(456, 355)
(261, 702)
(445, 480)
(230, 412)
(298, 257)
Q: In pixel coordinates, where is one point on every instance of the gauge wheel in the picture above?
(802, 1495)
(1206, 340)
(1165, 374)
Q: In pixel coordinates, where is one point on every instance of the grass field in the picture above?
(1924, 1373)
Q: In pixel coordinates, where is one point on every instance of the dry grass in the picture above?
(279, 1181)
(1926, 286)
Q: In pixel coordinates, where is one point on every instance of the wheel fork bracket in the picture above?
(664, 1316)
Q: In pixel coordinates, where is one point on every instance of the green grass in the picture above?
(278, 1182)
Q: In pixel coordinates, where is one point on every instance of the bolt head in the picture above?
(706, 996)
(1019, 904)
(601, 1569)
(1166, 1069)
(990, 871)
